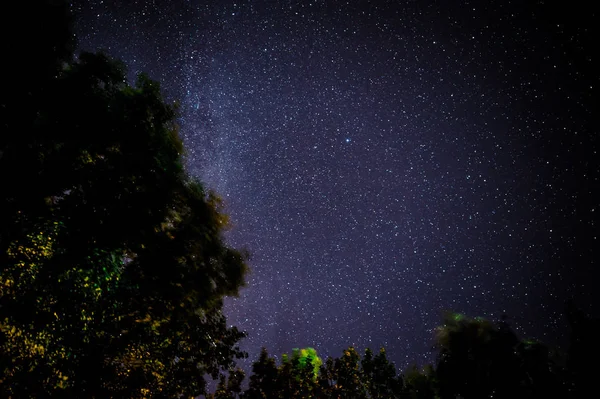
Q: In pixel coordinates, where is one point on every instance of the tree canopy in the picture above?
(477, 358)
(112, 263)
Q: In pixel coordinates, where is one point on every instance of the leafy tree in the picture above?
(379, 376)
(327, 378)
(221, 392)
(349, 384)
(112, 263)
(229, 388)
(479, 359)
(307, 358)
(464, 359)
(263, 382)
(234, 383)
(297, 376)
(543, 374)
(419, 384)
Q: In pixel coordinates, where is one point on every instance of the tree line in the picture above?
(475, 359)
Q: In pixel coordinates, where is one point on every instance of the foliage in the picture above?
(229, 388)
(304, 375)
(479, 359)
(349, 383)
(420, 384)
(476, 359)
(263, 382)
(308, 357)
(112, 262)
(379, 375)
(297, 374)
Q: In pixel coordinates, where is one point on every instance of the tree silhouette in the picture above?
(479, 359)
(379, 376)
(584, 353)
(327, 378)
(229, 388)
(234, 383)
(112, 263)
(264, 378)
(297, 374)
(349, 384)
(419, 384)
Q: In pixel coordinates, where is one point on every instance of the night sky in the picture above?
(384, 161)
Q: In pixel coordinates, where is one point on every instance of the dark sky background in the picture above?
(384, 161)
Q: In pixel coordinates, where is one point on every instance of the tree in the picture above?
(478, 359)
(327, 378)
(221, 392)
(229, 388)
(349, 383)
(379, 376)
(308, 360)
(112, 263)
(264, 378)
(419, 384)
(297, 375)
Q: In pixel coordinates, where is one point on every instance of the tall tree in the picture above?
(478, 358)
(112, 262)
(297, 375)
(264, 378)
(229, 388)
(379, 376)
(350, 383)
(235, 381)
(419, 384)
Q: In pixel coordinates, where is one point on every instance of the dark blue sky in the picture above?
(384, 161)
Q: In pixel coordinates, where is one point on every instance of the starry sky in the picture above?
(383, 161)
